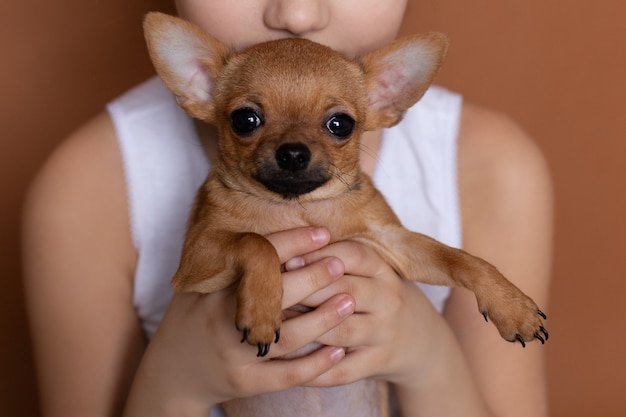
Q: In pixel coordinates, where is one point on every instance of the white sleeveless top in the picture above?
(165, 164)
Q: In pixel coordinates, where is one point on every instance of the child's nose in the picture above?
(298, 17)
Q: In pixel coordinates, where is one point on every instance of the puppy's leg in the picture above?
(260, 292)
(420, 258)
(215, 259)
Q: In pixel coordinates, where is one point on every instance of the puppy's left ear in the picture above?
(187, 60)
(399, 74)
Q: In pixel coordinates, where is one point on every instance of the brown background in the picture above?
(557, 67)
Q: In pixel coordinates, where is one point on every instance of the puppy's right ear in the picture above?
(187, 60)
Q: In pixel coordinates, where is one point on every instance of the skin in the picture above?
(79, 264)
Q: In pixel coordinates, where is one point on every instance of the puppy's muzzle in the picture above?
(292, 173)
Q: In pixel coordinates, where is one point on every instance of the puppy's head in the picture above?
(290, 112)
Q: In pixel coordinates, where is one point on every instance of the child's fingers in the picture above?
(302, 283)
(299, 331)
(290, 373)
(366, 276)
(355, 366)
(298, 242)
(358, 258)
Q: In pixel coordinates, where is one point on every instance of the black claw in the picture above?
(544, 331)
(519, 339)
(542, 314)
(277, 338)
(539, 338)
(485, 316)
(263, 349)
(246, 333)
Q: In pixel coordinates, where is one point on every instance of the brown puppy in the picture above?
(290, 114)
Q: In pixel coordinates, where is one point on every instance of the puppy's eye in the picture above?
(340, 125)
(245, 121)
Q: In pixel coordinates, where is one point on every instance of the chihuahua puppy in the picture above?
(290, 114)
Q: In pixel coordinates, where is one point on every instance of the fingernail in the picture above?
(335, 267)
(294, 263)
(346, 307)
(320, 235)
(337, 354)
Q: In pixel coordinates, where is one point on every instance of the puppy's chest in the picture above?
(264, 217)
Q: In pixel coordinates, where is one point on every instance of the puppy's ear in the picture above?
(399, 74)
(187, 60)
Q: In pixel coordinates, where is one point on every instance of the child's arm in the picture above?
(79, 259)
(506, 201)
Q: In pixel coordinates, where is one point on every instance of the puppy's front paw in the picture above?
(259, 313)
(259, 339)
(258, 332)
(516, 316)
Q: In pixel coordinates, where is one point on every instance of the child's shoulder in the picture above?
(82, 160)
(494, 147)
(502, 172)
(80, 191)
(89, 160)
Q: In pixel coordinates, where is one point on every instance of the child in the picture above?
(106, 218)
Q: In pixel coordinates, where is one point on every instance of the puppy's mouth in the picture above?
(291, 173)
(291, 185)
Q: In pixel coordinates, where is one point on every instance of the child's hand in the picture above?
(396, 332)
(196, 359)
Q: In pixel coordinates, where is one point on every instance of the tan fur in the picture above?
(296, 85)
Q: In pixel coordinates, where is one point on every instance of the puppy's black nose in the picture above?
(293, 157)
